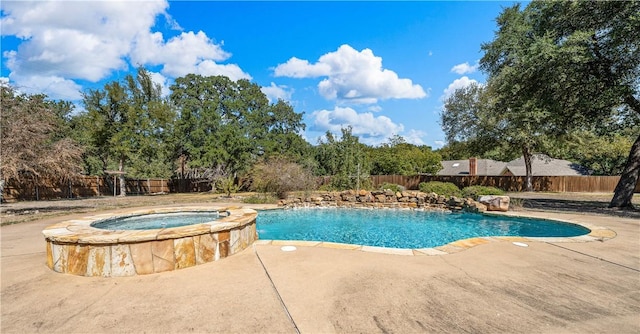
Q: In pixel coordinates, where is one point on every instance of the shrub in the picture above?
(440, 188)
(475, 191)
(326, 187)
(391, 186)
(346, 182)
(280, 176)
(228, 185)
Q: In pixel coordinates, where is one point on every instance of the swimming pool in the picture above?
(400, 228)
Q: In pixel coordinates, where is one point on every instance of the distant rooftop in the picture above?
(541, 165)
(461, 167)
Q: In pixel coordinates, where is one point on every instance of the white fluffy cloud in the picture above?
(298, 68)
(163, 81)
(456, 84)
(414, 137)
(275, 92)
(370, 129)
(186, 53)
(464, 68)
(88, 40)
(439, 143)
(54, 86)
(375, 108)
(354, 76)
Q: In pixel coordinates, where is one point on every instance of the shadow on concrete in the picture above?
(586, 207)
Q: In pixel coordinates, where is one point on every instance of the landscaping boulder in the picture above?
(495, 203)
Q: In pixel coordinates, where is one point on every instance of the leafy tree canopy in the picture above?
(397, 157)
(231, 124)
(344, 159)
(556, 68)
(128, 123)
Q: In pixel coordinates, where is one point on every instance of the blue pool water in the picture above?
(159, 220)
(400, 228)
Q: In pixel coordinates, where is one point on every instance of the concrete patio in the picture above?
(585, 287)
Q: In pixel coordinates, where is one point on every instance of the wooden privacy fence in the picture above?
(86, 186)
(92, 186)
(596, 184)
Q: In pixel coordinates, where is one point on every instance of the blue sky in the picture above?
(381, 67)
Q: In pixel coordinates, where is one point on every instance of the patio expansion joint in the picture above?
(594, 257)
(275, 289)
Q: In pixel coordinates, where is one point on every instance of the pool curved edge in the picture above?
(75, 247)
(598, 233)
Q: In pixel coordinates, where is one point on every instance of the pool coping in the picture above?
(597, 233)
(80, 231)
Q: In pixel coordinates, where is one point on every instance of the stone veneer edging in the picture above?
(377, 199)
(75, 247)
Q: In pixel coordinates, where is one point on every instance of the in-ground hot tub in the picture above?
(77, 247)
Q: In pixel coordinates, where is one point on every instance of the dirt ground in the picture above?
(17, 212)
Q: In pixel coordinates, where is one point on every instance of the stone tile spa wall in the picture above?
(75, 247)
(387, 199)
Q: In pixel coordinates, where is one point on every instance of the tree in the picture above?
(130, 123)
(520, 118)
(571, 63)
(397, 157)
(604, 148)
(227, 124)
(456, 150)
(279, 133)
(344, 159)
(33, 140)
(493, 127)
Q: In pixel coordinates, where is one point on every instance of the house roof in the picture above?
(461, 167)
(541, 165)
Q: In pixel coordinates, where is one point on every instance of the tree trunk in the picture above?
(123, 186)
(2, 182)
(628, 180)
(526, 155)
